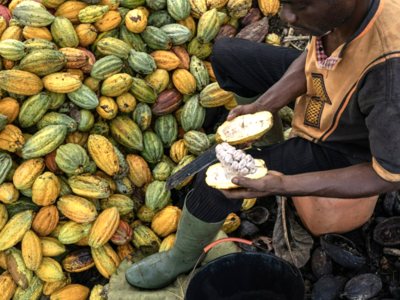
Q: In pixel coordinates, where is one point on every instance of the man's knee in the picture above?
(221, 52)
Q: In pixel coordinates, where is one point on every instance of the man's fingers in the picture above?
(240, 194)
(245, 182)
(237, 111)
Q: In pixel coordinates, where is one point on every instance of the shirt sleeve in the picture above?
(383, 122)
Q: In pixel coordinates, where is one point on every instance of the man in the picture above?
(347, 86)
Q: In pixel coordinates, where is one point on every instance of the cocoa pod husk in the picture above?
(226, 31)
(255, 32)
(252, 16)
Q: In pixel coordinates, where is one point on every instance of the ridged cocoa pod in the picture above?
(78, 261)
(226, 31)
(256, 31)
(182, 54)
(167, 102)
(252, 16)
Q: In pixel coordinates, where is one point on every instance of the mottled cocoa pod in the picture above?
(226, 30)
(252, 16)
(255, 32)
(364, 286)
(328, 287)
(321, 263)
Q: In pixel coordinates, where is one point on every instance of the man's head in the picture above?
(316, 17)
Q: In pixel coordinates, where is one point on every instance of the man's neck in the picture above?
(344, 32)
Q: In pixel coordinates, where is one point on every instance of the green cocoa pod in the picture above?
(33, 109)
(156, 39)
(63, 33)
(193, 114)
(72, 159)
(178, 33)
(54, 118)
(160, 18)
(142, 116)
(166, 128)
(199, 71)
(31, 13)
(156, 195)
(12, 49)
(141, 62)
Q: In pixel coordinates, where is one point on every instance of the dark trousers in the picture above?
(247, 69)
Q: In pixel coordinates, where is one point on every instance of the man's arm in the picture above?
(357, 181)
(293, 84)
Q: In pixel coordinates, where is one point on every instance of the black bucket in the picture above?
(247, 276)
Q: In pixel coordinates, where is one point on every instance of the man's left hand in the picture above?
(270, 184)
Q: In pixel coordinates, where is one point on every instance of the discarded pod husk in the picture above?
(387, 232)
(342, 250)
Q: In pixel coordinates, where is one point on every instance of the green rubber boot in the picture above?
(160, 269)
(275, 134)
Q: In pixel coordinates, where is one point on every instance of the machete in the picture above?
(201, 162)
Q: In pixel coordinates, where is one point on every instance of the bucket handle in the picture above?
(247, 242)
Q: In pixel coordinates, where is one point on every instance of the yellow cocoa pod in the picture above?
(15, 229)
(248, 203)
(10, 108)
(273, 39)
(51, 287)
(212, 96)
(178, 151)
(77, 209)
(126, 103)
(104, 227)
(8, 193)
(27, 172)
(3, 260)
(198, 7)
(167, 243)
(78, 261)
(61, 82)
(112, 4)
(32, 251)
(231, 223)
(166, 221)
(95, 293)
(139, 171)
(231, 104)
(184, 81)
(116, 85)
(210, 71)
(3, 25)
(49, 270)
(83, 241)
(92, 83)
(124, 250)
(45, 220)
(136, 20)
(106, 260)
(3, 217)
(159, 80)
(71, 232)
(14, 4)
(46, 189)
(145, 10)
(52, 3)
(110, 21)
(71, 292)
(107, 108)
(103, 154)
(190, 24)
(166, 60)
(11, 138)
(51, 246)
(7, 286)
(76, 72)
(70, 10)
(12, 33)
(216, 4)
(37, 33)
(269, 7)
(86, 33)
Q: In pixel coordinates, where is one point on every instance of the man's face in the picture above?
(316, 17)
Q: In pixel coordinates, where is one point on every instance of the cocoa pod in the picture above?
(256, 31)
(226, 31)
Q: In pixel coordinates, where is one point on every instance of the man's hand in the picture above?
(242, 110)
(270, 184)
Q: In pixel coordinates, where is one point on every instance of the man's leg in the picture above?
(207, 208)
(247, 68)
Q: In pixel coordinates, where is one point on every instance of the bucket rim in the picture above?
(294, 269)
